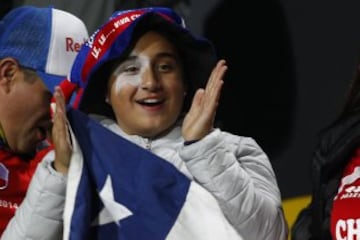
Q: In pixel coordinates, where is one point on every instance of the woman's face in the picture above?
(146, 91)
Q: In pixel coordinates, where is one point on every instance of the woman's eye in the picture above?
(127, 68)
(131, 69)
(165, 67)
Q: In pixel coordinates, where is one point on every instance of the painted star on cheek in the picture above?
(112, 211)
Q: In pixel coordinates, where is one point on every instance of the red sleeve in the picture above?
(15, 176)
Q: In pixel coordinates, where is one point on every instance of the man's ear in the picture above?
(8, 69)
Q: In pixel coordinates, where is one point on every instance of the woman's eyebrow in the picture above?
(167, 54)
(131, 58)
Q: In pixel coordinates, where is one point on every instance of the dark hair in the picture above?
(352, 98)
(30, 74)
(352, 102)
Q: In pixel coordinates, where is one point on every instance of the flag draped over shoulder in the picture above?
(118, 190)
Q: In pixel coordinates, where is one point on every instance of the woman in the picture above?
(332, 213)
(143, 75)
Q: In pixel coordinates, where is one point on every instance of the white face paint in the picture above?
(131, 71)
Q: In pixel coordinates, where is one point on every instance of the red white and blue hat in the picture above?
(46, 40)
(114, 40)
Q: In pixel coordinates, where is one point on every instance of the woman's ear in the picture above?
(8, 69)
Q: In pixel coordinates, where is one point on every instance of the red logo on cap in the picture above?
(72, 46)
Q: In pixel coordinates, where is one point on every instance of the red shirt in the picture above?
(15, 176)
(345, 214)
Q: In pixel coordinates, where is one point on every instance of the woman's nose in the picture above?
(150, 81)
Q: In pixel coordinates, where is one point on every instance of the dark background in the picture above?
(290, 62)
(290, 65)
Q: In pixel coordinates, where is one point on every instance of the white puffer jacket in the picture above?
(40, 215)
(234, 169)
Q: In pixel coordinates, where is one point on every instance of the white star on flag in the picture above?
(112, 211)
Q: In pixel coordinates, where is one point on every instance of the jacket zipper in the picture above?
(148, 144)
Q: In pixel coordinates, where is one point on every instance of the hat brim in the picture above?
(50, 80)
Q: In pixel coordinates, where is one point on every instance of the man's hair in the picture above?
(30, 75)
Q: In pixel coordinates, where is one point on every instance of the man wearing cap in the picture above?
(37, 49)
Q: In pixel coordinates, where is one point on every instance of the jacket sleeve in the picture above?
(240, 176)
(40, 214)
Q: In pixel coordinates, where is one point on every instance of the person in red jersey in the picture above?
(333, 212)
(37, 49)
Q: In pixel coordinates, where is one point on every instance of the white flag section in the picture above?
(117, 190)
(201, 218)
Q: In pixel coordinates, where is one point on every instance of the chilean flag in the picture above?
(118, 190)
